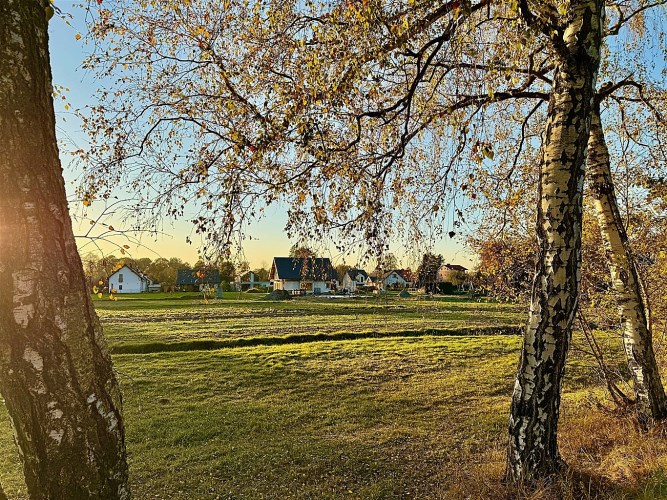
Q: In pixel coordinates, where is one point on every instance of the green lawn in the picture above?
(141, 324)
(381, 416)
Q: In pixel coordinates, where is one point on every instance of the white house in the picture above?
(312, 275)
(355, 278)
(248, 281)
(397, 278)
(129, 280)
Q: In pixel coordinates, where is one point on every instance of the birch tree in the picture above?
(56, 375)
(640, 132)
(533, 448)
(631, 297)
(628, 90)
(628, 287)
(359, 115)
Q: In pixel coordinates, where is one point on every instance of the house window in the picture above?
(120, 278)
(120, 287)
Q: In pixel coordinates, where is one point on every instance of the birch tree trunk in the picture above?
(533, 448)
(637, 338)
(55, 371)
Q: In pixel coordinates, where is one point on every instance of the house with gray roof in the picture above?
(310, 275)
(193, 280)
(354, 279)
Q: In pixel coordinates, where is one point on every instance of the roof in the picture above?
(405, 274)
(198, 276)
(455, 267)
(142, 276)
(353, 273)
(296, 269)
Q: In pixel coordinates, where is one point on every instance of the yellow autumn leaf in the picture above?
(77, 36)
(99, 295)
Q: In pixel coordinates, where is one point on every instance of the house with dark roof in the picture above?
(354, 279)
(310, 274)
(128, 279)
(192, 280)
(452, 273)
(397, 278)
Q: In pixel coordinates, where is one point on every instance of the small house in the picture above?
(452, 273)
(249, 281)
(354, 279)
(194, 280)
(128, 279)
(310, 274)
(397, 278)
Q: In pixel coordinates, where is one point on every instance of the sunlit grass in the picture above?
(390, 417)
(139, 320)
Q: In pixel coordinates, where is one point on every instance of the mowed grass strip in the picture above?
(297, 338)
(244, 304)
(229, 323)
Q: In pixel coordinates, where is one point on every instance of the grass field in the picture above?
(134, 324)
(321, 398)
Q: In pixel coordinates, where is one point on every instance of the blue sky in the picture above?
(268, 238)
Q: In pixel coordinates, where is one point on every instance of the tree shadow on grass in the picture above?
(209, 345)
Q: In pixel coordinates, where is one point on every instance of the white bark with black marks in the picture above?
(533, 449)
(55, 371)
(637, 337)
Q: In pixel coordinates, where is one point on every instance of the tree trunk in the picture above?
(637, 339)
(533, 448)
(55, 371)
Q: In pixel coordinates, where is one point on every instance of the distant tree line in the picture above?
(162, 270)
